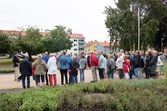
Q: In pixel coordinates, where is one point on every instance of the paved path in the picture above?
(7, 80)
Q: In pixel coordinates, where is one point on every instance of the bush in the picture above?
(6, 70)
(121, 95)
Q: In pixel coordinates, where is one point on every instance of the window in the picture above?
(75, 44)
(75, 40)
(75, 49)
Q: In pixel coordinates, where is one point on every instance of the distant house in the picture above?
(91, 46)
(79, 44)
(104, 46)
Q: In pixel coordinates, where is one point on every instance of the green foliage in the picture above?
(58, 40)
(121, 95)
(122, 22)
(5, 43)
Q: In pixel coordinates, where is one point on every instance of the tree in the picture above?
(30, 43)
(58, 40)
(122, 22)
(5, 43)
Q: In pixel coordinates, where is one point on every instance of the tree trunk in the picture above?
(30, 56)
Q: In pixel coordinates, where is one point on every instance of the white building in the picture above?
(79, 44)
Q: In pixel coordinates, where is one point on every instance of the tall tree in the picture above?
(31, 42)
(122, 22)
(58, 40)
(5, 43)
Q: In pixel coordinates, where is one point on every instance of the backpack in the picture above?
(109, 64)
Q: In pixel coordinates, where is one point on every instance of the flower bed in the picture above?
(111, 95)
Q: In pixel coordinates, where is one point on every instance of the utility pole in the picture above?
(138, 16)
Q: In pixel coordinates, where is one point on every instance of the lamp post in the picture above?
(138, 16)
(162, 43)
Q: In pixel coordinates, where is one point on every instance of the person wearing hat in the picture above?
(26, 71)
(94, 65)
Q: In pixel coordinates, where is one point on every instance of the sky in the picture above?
(82, 16)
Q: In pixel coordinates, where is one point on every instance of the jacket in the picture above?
(52, 65)
(136, 61)
(74, 67)
(40, 67)
(111, 63)
(126, 66)
(147, 59)
(82, 63)
(63, 62)
(93, 60)
(119, 62)
(153, 61)
(26, 68)
(15, 61)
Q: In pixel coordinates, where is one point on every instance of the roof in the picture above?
(16, 32)
(78, 36)
(90, 43)
(106, 44)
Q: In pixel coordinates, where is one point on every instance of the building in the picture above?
(91, 46)
(104, 46)
(79, 44)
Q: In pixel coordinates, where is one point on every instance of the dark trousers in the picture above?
(101, 73)
(23, 81)
(63, 73)
(121, 73)
(147, 72)
(46, 77)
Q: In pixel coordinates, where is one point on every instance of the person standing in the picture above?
(63, 67)
(45, 57)
(16, 62)
(162, 57)
(94, 65)
(126, 66)
(119, 64)
(82, 63)
(69, 64)
(146, 68)
(52, 69)
(26, 72)
(74, 69)
(40, 70)
(153, 64)
(110, 66)
(137, 65)
(101, 65)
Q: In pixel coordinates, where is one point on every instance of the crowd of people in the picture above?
(128, 65)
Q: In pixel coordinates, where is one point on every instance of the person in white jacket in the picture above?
(119, 64)
(52, 69)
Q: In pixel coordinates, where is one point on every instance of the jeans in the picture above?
(94, 72)
(63, 73)
(23, 81)
(38, 78)
(110, 73)
(82, 78)
(121, 73)
(137, 72)
(101, 73)
(74, 79)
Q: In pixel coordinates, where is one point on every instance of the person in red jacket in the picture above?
(126, 66)
(94, 65)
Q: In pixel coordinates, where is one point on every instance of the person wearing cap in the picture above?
(94, 65)
(26, 72)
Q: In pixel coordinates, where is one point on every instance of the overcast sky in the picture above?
(82, 16)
